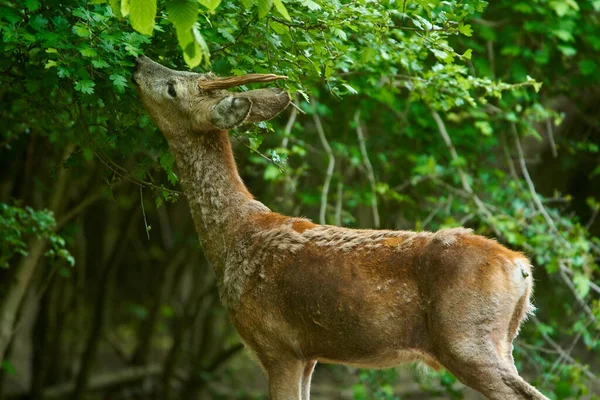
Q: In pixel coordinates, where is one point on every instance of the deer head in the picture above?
(182, 101)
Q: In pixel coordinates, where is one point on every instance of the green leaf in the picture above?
(125, 6)
(340, 33)
(167, 161)
(81, 30)
(588, 67)
(467, 54)
(536, 85)
(98, 63)
(573, 4)
(195, 49)
(32, 5)
(582, 285)
(88, 52)
(560, 7)
(64, 272)
(568, 51)
(255, 141)
(271, 173)
(312, 6)
(282, 10)
(465, 30)
(85, 86)
(115, 5)
(484, 127)
(8, 367)
(350, 89)
(119, 81)
(142, 15)
(442, 55)
(182, 13)
(210, 4)
(564, 35)
(264, 6)
(543, 328)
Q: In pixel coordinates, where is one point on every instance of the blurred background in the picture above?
(409, 115)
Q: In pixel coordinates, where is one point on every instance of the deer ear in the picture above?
(230, 112)
(266, 103)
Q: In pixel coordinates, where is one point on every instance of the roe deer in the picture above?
(299, 293)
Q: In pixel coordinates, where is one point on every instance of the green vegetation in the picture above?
(430, 113)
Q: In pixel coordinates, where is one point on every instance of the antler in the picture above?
(232, 81)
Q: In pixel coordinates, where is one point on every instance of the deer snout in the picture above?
(136, 69)
(140, 62)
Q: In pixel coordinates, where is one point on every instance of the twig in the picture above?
(339, 203)
(288, 128)
(565, 277)
(99, 381)
(592, 218)
(120, 352)
(466, 218)
(530, 185)
(113, 166)
(532, 360)
(73, 212)
(463, 177)
(330, 166)
(269, 159)
(550, 132)
(571, 347)
(435, 211)
(491, 58)
(491, 24)
(370, 174)
(301, 111)
(224, 356)
(144, 213)
(537, 348)
(511, 165)
(562, 352)
(236, 38)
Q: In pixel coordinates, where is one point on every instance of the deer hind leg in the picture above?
(474, 341)
(492, 376)
(306, 377)
(285, 379)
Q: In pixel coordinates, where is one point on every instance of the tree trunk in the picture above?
(148, 327)
(23, 272)
(104, 287)
(15, 292)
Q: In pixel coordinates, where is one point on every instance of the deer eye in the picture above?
(171, 90)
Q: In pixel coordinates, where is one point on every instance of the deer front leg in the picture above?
(309, 367)
(285, 379)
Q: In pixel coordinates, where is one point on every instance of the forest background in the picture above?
(409, 115)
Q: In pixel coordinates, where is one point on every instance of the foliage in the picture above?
(17, 223)
(493, 76)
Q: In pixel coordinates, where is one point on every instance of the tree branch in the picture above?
(339, 204)
(369, 167)
(330, 167)
(288, 127)
(463, 177)
(530, 185)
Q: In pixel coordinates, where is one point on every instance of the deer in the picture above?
(299, 293)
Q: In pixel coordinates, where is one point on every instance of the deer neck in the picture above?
(218, 199)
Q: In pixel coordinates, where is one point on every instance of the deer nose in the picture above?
(135, 70)
(138, 59)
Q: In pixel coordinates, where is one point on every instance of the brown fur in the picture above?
(299, 293)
